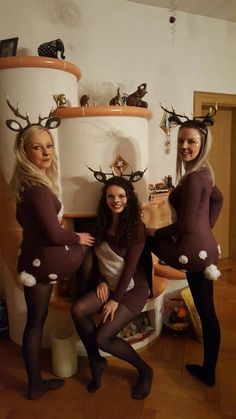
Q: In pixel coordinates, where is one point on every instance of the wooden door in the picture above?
(220, 160)
(223, 160)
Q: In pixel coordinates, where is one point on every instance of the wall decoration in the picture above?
(166, 126)
(119, 165)
(115, 100)
(51, 48)
(135, 99)
(172, 18)
(8, 47)
(60, 100)
(84, 100)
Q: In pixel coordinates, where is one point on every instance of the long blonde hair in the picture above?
(26, 173)
(201, 160)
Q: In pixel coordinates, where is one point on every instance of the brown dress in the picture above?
(135, 298)
(48, 252)
(188, 243)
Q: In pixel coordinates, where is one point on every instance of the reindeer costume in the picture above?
(120, 270)
(188, 243)
(48, 252)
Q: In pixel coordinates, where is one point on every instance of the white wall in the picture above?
(117, 41)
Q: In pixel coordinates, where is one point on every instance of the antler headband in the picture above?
(132, 177)
(202, 121)
(51, 122)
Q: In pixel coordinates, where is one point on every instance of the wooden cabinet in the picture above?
(157, 213)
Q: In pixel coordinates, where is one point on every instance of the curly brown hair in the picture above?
(129, 218)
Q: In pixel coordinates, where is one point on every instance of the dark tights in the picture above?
(202, 292)
(104, 337)
(37, 301)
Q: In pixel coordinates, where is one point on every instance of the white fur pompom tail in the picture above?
(211, 272)
(26, 279)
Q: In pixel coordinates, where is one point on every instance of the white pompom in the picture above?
(203, 254)
(26, 279)
(211, 272)
(53, 276)
(183, 259)
(36, 263)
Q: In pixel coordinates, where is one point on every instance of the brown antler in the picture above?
(173, 113)
(210, 113)
(51, 123)
(205, 120)
(17, 113)
(46, 117)
(102, 176)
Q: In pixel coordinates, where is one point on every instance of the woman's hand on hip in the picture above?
(103, 292)
(109, 309)
(86, 239)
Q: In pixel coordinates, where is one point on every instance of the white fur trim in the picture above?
(26, 279)
(202, 254)
(183, 259)
(111, 265)
(211, 272)
(36, 263)
(52, 276)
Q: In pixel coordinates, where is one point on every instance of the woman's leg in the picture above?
(202, 292)
(82, 311)
(85, 274)
(108, 341)
(37, 301)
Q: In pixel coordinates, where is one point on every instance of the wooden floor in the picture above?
(175, 394)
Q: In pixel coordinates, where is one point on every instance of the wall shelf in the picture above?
(102, 110)
(42, 62)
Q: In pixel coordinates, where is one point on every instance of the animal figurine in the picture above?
(135, 99)
(60, 100)
(124, 98)
(50, 49)
(115, 100)
(84, 100)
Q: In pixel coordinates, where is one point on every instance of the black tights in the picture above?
(104, 337)
(37, 300)
(202, 292)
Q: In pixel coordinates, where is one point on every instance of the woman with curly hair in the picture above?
(122, 288)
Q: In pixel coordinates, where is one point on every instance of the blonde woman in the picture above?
(188, 243)
(48, 252)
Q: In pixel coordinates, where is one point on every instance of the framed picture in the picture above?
(8, 47)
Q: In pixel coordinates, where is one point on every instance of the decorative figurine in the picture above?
(115, 100)
(124, 98)
(135, 99)
(84, 100)
(50, 49)
(60, 100)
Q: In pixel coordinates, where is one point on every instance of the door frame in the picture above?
(228, 102)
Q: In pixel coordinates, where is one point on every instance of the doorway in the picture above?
(222, 158)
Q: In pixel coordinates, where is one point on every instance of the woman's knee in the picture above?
(77, 310)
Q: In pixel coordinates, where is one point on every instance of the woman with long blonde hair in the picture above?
(48, 253)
